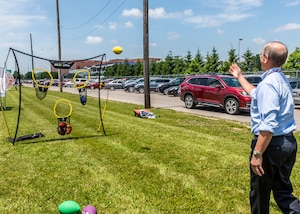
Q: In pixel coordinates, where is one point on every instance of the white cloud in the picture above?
(153, 44)
(188, 12)
(157, 13)
(128, 24)
(294, 3)
(113, 25)
(160, 13)
(93, 40)
(230, 11)
(132, 12)
(220, 31)
(173, 35)
(259, 40)
(99, 26)
(287, 27)
(114, 41)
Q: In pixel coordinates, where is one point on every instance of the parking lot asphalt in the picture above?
(158, 100)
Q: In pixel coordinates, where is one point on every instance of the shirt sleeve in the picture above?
(268, 105)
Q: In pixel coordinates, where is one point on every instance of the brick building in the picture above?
(94, 65)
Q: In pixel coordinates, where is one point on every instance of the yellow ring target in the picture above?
(62, 101)
(87, 81)
(36, 82)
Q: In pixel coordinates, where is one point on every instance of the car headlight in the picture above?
(244, 93)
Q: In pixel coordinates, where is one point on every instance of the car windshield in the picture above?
(295, 84)
(232, 82)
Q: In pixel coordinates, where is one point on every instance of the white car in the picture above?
(77, 81)
(295, 84)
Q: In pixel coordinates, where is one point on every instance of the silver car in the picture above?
(295, 84)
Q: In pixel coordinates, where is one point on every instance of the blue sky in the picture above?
(93, 27)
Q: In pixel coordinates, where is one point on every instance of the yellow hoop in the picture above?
(87, 81)
(36, 83)
(55, 105)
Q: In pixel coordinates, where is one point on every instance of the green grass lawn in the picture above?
(177, 163)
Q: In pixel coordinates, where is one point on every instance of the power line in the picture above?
(76, 27)
(95, 28)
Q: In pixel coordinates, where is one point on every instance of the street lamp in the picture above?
(239, 41)
(59, 45)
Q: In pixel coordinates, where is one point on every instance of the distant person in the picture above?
(274, 146)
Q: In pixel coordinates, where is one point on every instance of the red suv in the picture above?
(214, 90)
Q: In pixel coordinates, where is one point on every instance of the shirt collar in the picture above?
(272, 70)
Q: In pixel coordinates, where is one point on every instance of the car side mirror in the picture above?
(218, 86)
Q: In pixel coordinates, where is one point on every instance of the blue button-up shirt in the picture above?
(272, 104)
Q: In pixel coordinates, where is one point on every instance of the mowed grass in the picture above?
(177, 163)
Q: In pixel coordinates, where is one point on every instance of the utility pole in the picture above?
(32, 61)
(59, 45)
(146, 57)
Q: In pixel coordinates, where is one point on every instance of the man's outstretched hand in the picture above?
(235, 70)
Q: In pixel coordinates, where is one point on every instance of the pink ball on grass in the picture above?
(89, 209)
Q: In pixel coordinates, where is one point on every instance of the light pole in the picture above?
(239, 41)
(59, 45)
(147, 101)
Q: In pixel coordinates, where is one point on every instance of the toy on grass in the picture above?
(117, 49)
(69, 207)
(42, 88)
(89, 209)
(62, 110)
(81, 86)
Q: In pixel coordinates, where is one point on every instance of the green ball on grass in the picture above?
(69, 207)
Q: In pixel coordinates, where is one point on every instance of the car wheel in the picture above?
(141, 90)
(112, 88)
(176, 94)
(92, 87)
(131, 89)
(166, 91)
(189, 101)
(232, 106)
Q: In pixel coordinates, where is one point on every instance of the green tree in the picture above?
(293, 61)
(180, 65)
(168, 64)
(193, 68)
(138, 69)
(212, 62)
(249, 61)
(28, 75)
(198, 60)
(232, 57)
(152, 67)
(188, 59)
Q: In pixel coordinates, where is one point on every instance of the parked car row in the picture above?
(295, 84)
(221, 91)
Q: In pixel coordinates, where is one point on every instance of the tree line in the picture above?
(189, 64)
(210, 63)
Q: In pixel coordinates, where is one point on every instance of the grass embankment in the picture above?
(177, 163)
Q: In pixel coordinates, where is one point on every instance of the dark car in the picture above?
(126, 82)
(174, 82)
(130, 85)
(115, 84)
(253, 79)
(215, 90)
(55, 82)
(173, 90)
(153, 84)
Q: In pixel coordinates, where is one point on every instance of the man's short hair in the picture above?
(277, 52)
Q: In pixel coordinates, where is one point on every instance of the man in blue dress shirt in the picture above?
(274, 147)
